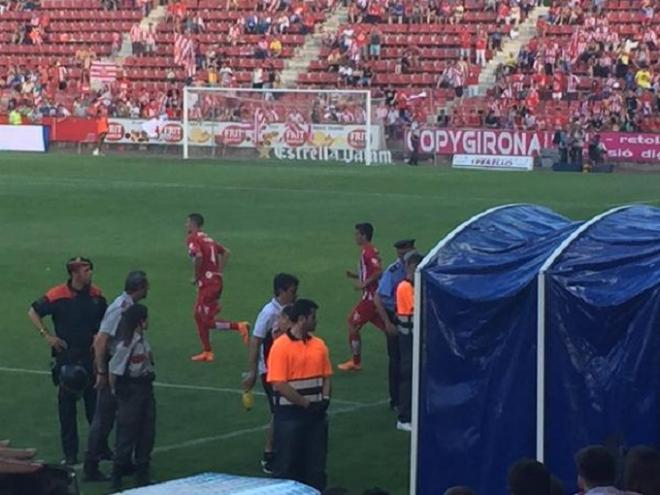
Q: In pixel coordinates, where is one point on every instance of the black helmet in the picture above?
(74, 378)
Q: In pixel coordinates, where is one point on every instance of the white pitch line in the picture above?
(105, 184)
(256, 429)
(205, 388)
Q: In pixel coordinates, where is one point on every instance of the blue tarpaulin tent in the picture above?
(476, 366)
(602, 328)
(485, 394)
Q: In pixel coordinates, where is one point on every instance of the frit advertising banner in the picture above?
(242, 135)
(493, 162)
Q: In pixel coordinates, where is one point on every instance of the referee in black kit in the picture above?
(76, 308)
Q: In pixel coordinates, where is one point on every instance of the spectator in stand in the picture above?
(458, 13)
(491, 120)
(275, 47)
(496, 40)
(560, 140)
(234, 33)
(199, 26)
(116, 44)
(503, 13)
(442, 120)
(396, 11)
(150, 40)
(514, 34)
(374, 44)
(258, 77)
(251, 24)
(642, 471)
(212, 75)
(136, 39)
(576, 143)
(465, 41)
(528, 477)
(597, 151)
(643, 78)
(481, 43)
(226, 76)
(261, 50)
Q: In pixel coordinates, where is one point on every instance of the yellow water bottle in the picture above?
(248, 400)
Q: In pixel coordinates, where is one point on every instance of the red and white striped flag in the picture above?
(103, 72)
(184, 53)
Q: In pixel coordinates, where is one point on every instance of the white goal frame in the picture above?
(193, 89)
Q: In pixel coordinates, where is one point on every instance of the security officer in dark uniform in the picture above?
(76, 308)
(385, 302)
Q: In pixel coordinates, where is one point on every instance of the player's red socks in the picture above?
(356, 349)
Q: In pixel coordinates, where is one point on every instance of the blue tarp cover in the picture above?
(478, 361)
(603, 336)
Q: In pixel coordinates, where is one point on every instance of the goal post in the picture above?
(281, 124)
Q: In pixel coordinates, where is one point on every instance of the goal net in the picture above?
(280, 124)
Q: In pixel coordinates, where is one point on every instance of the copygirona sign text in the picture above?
(482, 142)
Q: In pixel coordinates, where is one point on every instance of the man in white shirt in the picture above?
(285, 289)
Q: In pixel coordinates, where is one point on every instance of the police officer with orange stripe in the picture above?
(405, 299)
(76, 309)
(299, 369)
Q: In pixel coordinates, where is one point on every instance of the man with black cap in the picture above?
(385, 301)
(135, 289)
(76, 309)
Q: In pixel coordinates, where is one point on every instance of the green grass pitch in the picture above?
(127, 213)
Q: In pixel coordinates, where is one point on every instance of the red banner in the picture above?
(483, 142)
(71, 129)
(632, 147)
(621, 146)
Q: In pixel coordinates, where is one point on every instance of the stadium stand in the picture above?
(232, 44)
(589, 64)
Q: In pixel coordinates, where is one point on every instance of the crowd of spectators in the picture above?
(607, 80)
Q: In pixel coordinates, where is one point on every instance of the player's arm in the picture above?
(261, 328)
(101, 359)
(53, 341)
(223, 259)
(197, 268)
(253, 360)
(374, 278)
(382, 312)
(352, 275)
